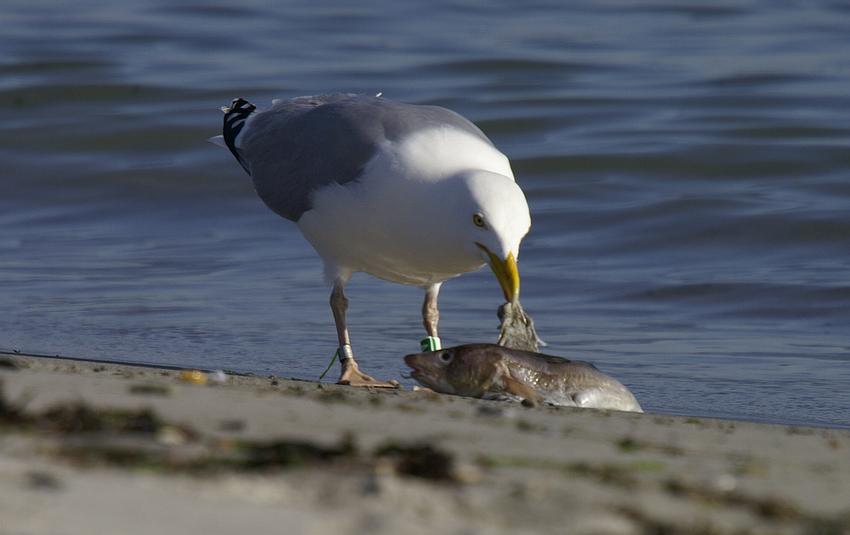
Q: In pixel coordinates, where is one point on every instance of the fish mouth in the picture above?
(419, 375)
(421, 372)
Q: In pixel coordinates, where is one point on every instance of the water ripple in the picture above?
(685, 164)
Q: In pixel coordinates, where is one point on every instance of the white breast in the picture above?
(382, 223)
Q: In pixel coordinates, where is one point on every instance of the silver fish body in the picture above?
(490, 371)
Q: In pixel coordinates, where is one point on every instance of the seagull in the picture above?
(411, 194)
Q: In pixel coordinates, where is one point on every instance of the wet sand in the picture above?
(89, 447)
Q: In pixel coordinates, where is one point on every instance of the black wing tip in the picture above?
(234, 121)
(240, 105)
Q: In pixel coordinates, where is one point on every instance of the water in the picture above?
(686, 165)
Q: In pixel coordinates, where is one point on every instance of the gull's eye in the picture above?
(478, 220)
(445, 356)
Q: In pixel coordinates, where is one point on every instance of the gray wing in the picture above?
(303, 144)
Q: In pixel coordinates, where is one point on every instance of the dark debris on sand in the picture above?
(139, 438)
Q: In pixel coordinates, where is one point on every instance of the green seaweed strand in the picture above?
(331, 363)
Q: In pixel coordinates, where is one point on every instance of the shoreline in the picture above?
(4, 353)
(253, 452)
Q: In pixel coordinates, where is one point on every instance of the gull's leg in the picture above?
(431, 317)
(351, 374)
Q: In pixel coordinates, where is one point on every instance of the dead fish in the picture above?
(517, 328)
(493, 372)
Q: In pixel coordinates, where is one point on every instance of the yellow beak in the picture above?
(506, 273)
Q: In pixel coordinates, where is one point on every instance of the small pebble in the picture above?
(218, 376)
(725, 483)
(495, 411)
(42, 481)
(172, 436)
(196, 377)
(149, 390)
(231, 426)
(467, 473)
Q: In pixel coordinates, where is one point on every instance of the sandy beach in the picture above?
(93, 447)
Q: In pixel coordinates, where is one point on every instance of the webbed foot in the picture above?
(352, 376)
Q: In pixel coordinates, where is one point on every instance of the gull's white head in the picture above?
(489, 215)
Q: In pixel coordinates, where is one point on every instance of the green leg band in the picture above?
(431, 343)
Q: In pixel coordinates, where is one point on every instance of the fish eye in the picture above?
(445, 356)
(478, 220)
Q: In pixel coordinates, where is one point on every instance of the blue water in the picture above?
(686, 165)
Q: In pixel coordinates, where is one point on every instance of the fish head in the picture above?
(463, 370)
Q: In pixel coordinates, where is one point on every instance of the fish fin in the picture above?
(519, 389)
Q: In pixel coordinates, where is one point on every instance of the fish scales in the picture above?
(494, 372)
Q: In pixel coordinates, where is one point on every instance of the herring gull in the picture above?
(410, 194)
